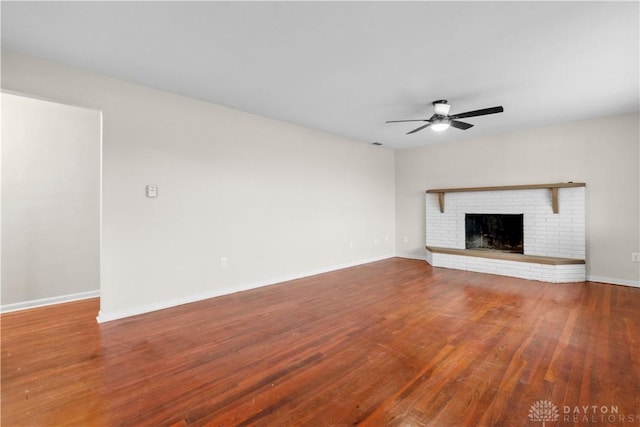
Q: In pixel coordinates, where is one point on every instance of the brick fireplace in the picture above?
(553, 222)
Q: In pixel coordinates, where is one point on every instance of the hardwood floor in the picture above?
(392, 343)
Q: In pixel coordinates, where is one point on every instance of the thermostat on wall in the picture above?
(152, 190)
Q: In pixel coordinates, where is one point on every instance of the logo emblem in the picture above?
(543, 410)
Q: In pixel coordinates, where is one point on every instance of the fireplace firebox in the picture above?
(494, 232)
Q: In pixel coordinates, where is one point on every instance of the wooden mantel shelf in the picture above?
(553, 187)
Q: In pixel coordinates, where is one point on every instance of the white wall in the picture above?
(604, 153)
(50, 200)
(276, 200)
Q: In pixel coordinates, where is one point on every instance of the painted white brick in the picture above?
(545, 233)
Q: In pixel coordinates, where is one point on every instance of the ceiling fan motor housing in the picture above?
(441, 107)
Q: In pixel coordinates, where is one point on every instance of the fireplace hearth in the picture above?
(494, 232)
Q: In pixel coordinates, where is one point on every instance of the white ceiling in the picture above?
(346, 67)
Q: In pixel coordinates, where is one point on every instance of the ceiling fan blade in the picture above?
(420, 128)
(401, 121)
(460, 125)
(475, 113)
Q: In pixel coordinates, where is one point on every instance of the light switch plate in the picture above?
(152, 190)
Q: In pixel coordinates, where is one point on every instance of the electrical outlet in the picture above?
(351, 244)
(406, 239)
(635, 256)
(223, 262)
(375, 241)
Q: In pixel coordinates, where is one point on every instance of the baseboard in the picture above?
(624, 282)
(412, 256)
(107, 317)
(48, 301)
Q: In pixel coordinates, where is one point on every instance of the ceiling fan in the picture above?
(441, 119)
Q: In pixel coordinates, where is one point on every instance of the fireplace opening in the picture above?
(494, 232)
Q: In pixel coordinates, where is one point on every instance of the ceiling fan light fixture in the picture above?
(440, 125)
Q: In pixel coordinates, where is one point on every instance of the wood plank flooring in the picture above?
(392, 343)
